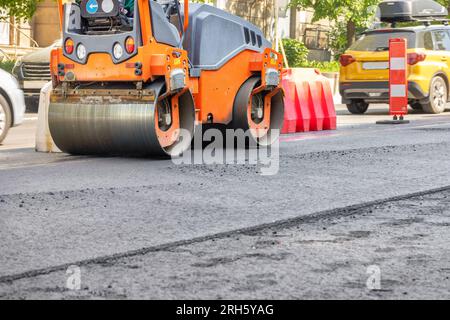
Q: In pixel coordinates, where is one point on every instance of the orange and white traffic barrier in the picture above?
(398, 78)
(309, 104)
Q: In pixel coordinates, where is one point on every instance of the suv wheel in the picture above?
(358, 107)
(5, 118)
(438, 96)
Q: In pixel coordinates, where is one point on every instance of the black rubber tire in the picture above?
(4, 105)
(416, 106)
(438, 96)
(240, 117)
(357, 107)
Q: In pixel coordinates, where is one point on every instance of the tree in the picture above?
(293, 22)
(19, 9)
(296, 52)
(355, 13)
(445, 3)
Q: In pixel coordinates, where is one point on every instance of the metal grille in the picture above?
(36, 71)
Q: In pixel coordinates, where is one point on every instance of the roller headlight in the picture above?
(117, 51)
(81, 52)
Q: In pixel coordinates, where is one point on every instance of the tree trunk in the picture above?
(18, 24)
(351, 33)
(293, 23)
(11, 31)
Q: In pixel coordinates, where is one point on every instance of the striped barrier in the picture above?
(398, 82)
(398, 78)
(309, 102)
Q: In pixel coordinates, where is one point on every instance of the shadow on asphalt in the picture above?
(32, 104)
(382, 111)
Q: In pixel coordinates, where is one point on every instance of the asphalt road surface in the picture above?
(361, 203)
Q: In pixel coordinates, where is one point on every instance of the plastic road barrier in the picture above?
(309, 102)
(398, 78)
(44, 140)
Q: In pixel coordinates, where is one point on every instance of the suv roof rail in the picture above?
(426, 22)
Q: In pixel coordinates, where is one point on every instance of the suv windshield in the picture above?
(379, 41)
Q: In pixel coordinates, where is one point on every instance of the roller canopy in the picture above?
(410, 10)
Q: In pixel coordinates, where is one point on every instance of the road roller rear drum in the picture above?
(259, 112)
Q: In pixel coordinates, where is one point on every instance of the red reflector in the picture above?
(415, 58)
(130, 45)
(130, 65)
(70, 66)
(346, 59)
(69, 46)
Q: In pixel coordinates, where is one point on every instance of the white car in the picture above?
(12, 104)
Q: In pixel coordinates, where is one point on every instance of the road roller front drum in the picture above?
(123, 125)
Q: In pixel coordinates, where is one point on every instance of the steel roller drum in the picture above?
(109, 125)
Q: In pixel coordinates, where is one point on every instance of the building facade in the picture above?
(45, 23)
(43, 29)
(21, 37)
(298, 25)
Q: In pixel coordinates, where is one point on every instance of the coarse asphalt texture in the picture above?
(109, 214)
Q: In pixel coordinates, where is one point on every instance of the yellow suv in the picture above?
(364, 72)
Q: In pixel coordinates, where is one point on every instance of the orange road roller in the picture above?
(132, 76)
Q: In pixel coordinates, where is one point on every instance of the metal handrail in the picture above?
(21, 32)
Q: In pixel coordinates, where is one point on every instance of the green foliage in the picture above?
(19, 9)
(7, 65)
(326, 66)
(354, 14)
(358, 11)
(445, 3)
(297, 56)
(338, 39)
(296, 52)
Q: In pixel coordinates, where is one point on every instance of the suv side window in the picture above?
(442, 40)
(428, 41)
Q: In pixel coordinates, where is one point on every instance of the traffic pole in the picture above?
(277, 21)
(398, 82)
